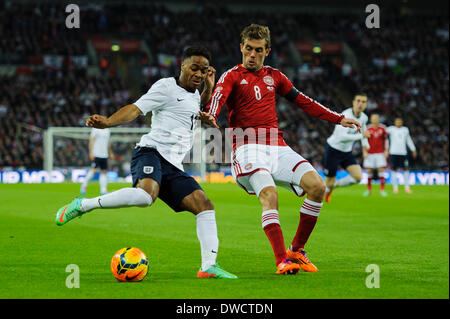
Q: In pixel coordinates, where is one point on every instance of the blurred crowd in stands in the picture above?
(402, 66)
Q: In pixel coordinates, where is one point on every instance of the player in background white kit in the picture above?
(338, 150)
(399, 139)
(99, 152)
(156, 162)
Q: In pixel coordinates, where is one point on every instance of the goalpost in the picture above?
(56, 137)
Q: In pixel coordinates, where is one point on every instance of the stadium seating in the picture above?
(403, 67)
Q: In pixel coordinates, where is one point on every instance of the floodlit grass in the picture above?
(406, 236)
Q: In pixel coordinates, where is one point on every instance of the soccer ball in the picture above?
(129, 264)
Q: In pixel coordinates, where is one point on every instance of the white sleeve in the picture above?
(344, 134)
(153, 99)
(93, 133)
(364, 140)
(410, 142)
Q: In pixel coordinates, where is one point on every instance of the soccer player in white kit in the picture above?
(338, 150)
(156, 164)
(399, 139)
(99, 152)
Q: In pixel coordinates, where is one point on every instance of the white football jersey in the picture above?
(100, 144)
(399, 138)
(343, 138)
(173, 121)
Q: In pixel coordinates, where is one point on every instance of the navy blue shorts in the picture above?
(399, 161)
(333, 158)
(100, 162)
(174, 184)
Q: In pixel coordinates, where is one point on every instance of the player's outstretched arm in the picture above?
(124, 115)
(351, 123)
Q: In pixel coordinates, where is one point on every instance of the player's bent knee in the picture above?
(207, 205)
(269, 197)
(139, 198)
(317, 191)
(150, 186)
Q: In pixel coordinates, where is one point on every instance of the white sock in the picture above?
(406, 178)
(87, 179)
(269, 216)
(124, 197)
(103, 182)
(394, 179)
(207, 235)
(345, 181)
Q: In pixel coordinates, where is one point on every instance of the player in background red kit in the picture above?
(375, 157)
(261, 158)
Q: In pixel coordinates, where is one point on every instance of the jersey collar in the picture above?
(244, 70)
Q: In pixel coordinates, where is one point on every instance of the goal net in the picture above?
(67, 149)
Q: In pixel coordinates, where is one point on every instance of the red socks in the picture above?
(271, 226)
(309, 212)
(382, 182)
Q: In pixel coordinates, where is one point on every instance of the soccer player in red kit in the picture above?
(375, 157)
(261, 159)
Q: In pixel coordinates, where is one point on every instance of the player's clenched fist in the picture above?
(97, 121)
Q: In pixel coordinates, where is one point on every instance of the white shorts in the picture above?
(286, 166)
(377, 160)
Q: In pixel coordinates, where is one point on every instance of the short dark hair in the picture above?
(198, 50)
(359, 94)
(256, 32)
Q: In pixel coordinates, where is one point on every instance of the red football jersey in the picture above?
(250, 98)
(377, 139)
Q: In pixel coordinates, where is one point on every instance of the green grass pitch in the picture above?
(407, 236)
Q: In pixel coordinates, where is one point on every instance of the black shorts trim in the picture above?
(174, 184)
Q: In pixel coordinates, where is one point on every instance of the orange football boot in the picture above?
(408, 191)
(300, 258)
(287, 267)
(328, 196)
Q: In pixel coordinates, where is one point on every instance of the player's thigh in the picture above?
(180, 191)
(264, 186)
(331, 162)
(355, 171)
(291, 168)
(196, 202)
(369, 162)
(247, 160)
(146, 170)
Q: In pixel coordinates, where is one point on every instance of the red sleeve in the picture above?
(284, 85)
(220, 94)
(286, 88)
(316, 109)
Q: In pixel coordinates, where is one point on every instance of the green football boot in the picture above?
(215, 272)
(367, 193)
(69, 211)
